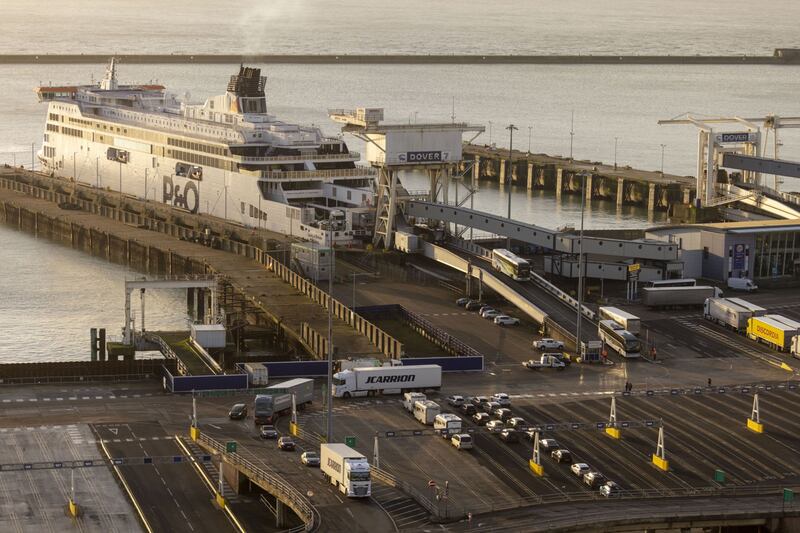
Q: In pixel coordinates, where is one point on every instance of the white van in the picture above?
(462, 441)
(742, 284)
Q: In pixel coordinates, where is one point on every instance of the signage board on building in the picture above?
(736, 137)
(739, 257)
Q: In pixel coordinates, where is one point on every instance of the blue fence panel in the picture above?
(303, 369)
(449, 364)
(198, 383)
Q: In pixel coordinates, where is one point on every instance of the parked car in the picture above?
(462, 441)
(579, 469)
(477, 401)
(473, 305)
(610, 490)
(502, 398)
(310, 458)
(561, 455)
(469, 409)
(481, 419)
(238, 412)
(490, 407)
(461, 302)
(548, 344)
(286, 443)
(517, 422)
(455, 400)
(485, 308)
(505, 320)
(594, 479)
(269, 432)
(495, 426)
(548, 445)
(509, 435)
(491, 314)
(503, 414)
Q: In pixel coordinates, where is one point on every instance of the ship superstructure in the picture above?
(227, 157)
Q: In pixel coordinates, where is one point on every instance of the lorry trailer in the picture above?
(772, 332)
(277, 399)
(726, 312)
(629, 322)
(678, 296)
(386, 380)
(757, 310)
(346, 469)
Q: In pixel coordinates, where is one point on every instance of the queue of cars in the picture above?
(488, 312)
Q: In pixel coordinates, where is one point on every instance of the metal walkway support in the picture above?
(612, 430)
(660, 458)
(754, 422)
(536, 461)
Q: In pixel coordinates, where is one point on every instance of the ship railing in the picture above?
(311, 174)
(313, 157)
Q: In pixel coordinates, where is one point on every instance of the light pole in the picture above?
(509, 173)
(530, 134)
(571, 133)
(120, 182)
(580, 267)
(329, 394)
(615, 152)
(662, 158)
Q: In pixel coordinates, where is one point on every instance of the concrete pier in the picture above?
(256, 287)
(625, 185)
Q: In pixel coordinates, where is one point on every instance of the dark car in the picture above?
(461, 302)
(286, 443)
(503, 414)
(473, 305)
(594, 479)
(548, 445)
(477, 401)
(238, 412)
(561, 455)
(269, 432)
(490, 407)
(481, 419)
(509, 435)
(469, 409)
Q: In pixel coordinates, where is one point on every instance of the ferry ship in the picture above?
(227, 157)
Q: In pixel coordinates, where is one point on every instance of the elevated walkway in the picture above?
(192, 360)
(544, 306)
(548, 239)
(753, 198)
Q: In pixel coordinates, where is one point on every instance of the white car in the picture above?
(310, 458)
(548, 344)
(455, 400)
(490, 314)
(610, 490)
(502, 398)
(495, 426)
(505, 320)
(517, 422)
(579, 469)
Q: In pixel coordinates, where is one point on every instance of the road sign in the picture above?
(634, 267)
(230, 446)
(788, 495)
(350, 441)
(719, 476)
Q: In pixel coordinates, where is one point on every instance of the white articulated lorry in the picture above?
(386, 380)
(729, 312)
(346, 469)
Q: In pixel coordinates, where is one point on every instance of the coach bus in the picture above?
(621, 341)
(511, 265)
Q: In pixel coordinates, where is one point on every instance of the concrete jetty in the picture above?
(623, 184)
(256, 285)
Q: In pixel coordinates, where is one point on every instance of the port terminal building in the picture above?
(762, 250)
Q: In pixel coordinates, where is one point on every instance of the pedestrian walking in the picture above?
(709, 383)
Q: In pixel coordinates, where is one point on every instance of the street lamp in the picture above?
(615, 152)
(662, 158)
(509, 173)
(580, 266)
(329, 395)
(530, 134)
(571, 133)
(490, 133)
